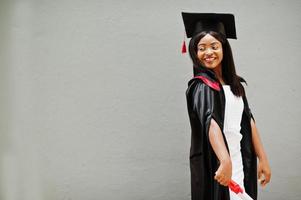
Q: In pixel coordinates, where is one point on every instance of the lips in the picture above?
(209, 59)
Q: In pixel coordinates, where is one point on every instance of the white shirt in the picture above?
(233, 114)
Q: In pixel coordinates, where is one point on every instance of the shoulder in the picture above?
(199, 90)
(206, 81)
(196, 86)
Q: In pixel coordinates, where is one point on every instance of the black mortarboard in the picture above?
(220, 22)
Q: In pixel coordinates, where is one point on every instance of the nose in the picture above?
(208, 51)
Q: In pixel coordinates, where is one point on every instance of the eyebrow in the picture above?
(210, 43)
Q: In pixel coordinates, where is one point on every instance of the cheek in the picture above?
(200, 55)
(220, 55)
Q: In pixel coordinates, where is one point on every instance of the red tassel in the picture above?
(184, 47)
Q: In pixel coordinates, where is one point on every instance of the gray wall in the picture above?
(93, 96)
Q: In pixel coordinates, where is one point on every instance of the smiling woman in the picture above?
(210, 52)
(224, 140)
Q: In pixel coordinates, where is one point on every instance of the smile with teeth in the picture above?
(209, 59)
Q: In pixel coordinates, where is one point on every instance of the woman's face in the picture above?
(210, 52)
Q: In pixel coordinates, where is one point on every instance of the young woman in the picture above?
(225, 142)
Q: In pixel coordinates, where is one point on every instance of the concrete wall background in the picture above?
(93, 96)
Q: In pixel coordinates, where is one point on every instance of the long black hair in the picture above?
(228, 68)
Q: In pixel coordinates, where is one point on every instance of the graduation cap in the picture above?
(195, 23)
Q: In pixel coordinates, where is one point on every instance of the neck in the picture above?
(218, 72)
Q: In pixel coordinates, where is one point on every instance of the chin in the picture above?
(210, 66)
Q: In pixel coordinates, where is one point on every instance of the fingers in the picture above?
(221, 179)
(261, 177)
(267, 178)
(261, 182)
(264, 176)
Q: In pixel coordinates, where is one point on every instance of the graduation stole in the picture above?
(213, 84)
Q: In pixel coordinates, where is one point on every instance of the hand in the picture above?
(264, 172)
(224, 173)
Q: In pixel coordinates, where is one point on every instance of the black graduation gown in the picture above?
(206, 101)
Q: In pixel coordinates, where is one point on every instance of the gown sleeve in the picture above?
(200, 99)
(247, 107)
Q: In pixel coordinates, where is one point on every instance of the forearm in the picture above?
(217, 142)
(264, 170)
(258, 147)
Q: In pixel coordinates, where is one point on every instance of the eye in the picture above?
(215, 47)
(201, 48)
